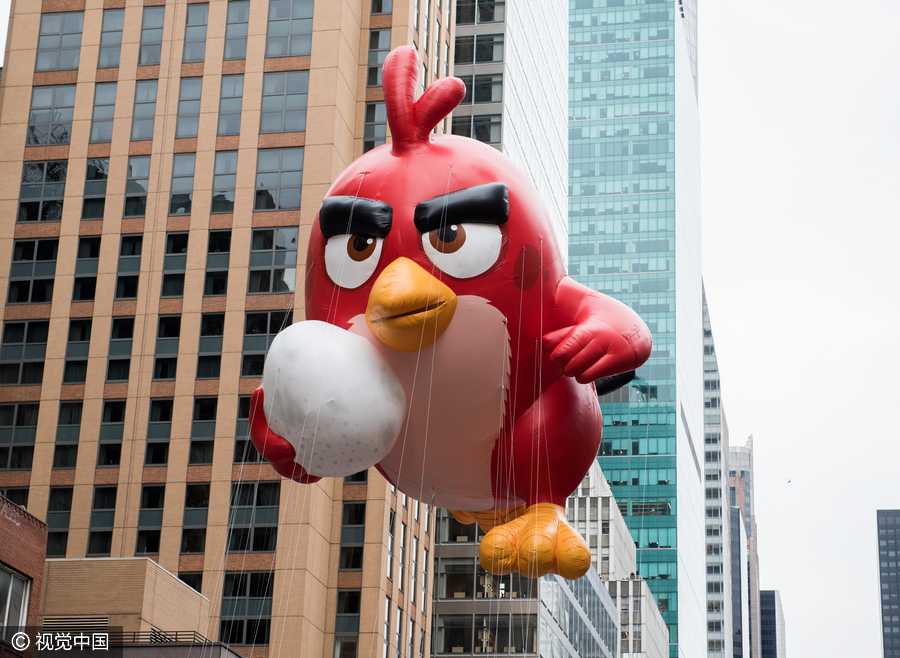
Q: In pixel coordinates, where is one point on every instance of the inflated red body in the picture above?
(561, 335)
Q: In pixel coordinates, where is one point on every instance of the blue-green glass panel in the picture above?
(150, 518)
(88, 266)
(210, 344)
(45, 268)
(217, 261)
(234, 607)
(120, 348)
(11, 352)
(58, 520)
(102, 519)
(111, 432)
(159, 430)
(261, 259)
(259, 608)
(129, 265)
(77, 350)
(68, 433)
(266, 515)
(241, 516)
(175, 263)
(35, 351)
(255, 343)
(195, 517)
(166, 346)
(25, 435)
(203, 429)
(353, 535)
(21, 270)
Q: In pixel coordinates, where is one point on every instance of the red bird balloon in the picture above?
(445, 344)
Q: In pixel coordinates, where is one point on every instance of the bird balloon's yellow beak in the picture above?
(408, 308)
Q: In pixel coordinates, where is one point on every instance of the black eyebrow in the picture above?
(348, 215)
(482, 204)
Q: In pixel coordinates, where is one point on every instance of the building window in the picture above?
(59, 46)
(103, 515)
(77, 349)
(203, 430)
(189, 107)
(18, 428)
(392, 516)
(52, 109)
(32, 271)
(402, 571)
(353, 536)
(413, 574)
(193, 579)
(254, 517)
(59, 508)
(196, 511)
(136, 186)
(424, 582)
(290, 28)
(120, 344)
(479, 49)
(284, 102)
(382, 6)
(151, 36)
(112, 429)
(13, 603)
(379, 47)
(387, 625)
(279, 176)
(182, 184)
(230, 104)
(483, 88)
(95, 188)
(67, 433)
(85, 288)
(346, 623)
(174, 265)
(246, 607)
(153, 497)
(483, 127)
(15, 495)
(195, 33)
(469, 12)
(375, 129)
(260, 330)
(236, 30)
(217, 262)
(273, 260)
(111, 38)
(209, 359)
(224, 182)
(159, 430)
(144, 115)
(104, 112)
(244, 450)
(167, 339)
(42, 191)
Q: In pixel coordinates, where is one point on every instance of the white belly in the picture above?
(456, 389)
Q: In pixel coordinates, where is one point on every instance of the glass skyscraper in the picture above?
(634, 233)
(889, 577)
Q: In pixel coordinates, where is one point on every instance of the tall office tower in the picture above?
(117, 116)
(740, 617)
(889, 576)
(740, 484)
(593, 511)
(634, 233)
(718, 535)
(513, 61)
(771, 618)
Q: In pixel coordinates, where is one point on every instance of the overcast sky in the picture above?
(800, 110)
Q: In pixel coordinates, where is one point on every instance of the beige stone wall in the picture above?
(306, 562)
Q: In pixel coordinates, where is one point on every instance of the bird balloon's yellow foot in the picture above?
(536, 543)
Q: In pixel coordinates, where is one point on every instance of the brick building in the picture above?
(164, 160)
(23, 540)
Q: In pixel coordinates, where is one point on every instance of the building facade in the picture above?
(740, 484)
(719, 620)
(889, 580)
(23, 540)
(512, 57)
(166, 160)
(634, 233)
(771, 624)
(740, 599)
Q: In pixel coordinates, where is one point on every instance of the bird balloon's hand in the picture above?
(274, 448)
(589, 350)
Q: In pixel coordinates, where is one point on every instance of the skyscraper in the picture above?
(634, 233)
(163, 162)
(719, 621)
(771, 624)
(889, 577)
(740, 483)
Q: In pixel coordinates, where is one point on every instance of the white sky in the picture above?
(800, 111)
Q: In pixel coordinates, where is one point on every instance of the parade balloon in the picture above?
(477, 394)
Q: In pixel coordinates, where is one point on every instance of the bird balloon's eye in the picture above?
(463, 250)
(351, 259)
